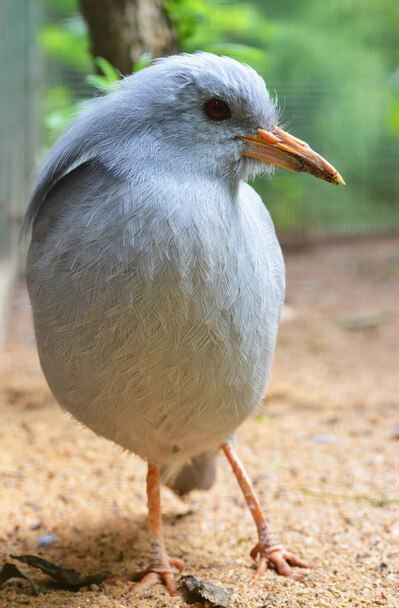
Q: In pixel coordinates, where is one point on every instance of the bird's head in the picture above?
(216, 114)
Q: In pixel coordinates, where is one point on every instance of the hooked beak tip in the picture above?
(283, 149)
(340, 179)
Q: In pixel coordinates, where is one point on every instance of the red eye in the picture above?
(217, 109)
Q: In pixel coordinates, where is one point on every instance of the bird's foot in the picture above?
(266, 552)
(277, 557)
(162, 573)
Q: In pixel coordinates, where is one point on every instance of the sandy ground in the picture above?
(320, 452)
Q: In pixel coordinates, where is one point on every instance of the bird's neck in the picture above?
(145, 159)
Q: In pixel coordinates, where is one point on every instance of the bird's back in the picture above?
(156, 311)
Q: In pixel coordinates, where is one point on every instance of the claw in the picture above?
(176, 562)
(152, 575)
(279, 558)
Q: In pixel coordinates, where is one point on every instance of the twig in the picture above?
(370, 499)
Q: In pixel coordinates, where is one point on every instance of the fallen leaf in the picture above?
(66, 576)
(12, 571)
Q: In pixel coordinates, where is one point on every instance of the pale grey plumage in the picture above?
(154, 272)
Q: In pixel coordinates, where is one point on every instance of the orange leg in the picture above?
(160, 563)
(268, 551)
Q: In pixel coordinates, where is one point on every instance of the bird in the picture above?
(156, 279)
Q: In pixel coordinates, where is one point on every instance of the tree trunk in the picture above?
(122, 30)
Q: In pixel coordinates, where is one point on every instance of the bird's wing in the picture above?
(73, 232)
(80, 142)
(55, 202)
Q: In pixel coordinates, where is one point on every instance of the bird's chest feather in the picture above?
(171, 322)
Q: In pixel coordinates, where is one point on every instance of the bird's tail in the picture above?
(198, 474)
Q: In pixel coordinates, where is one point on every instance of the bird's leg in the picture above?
(160, 563)
(268, 552)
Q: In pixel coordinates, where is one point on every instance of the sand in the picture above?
(323, 454)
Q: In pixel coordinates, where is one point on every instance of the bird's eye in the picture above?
(217, 109)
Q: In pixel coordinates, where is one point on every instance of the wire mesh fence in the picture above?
(20, 78)
(19, 132)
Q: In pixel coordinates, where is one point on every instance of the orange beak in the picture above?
(280, 148)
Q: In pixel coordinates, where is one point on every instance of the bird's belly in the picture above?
(168, 376)
(162, 386)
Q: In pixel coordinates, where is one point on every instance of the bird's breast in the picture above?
(161, 334)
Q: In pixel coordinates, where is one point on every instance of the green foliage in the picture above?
(238, 30)
(67, 43)
(63, 6)
(105, 81)
(142, 63)
(58, 103)
(393, 116)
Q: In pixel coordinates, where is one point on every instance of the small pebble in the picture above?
(325, 438)
(395, 432)
(46, 540)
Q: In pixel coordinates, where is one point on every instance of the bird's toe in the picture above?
(280, 559)
(154, 574)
